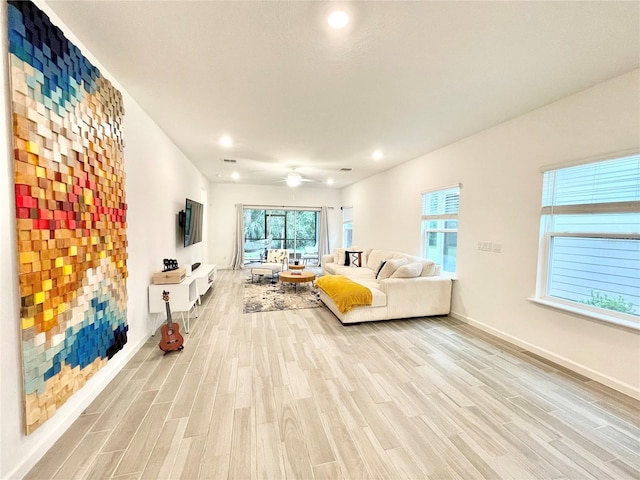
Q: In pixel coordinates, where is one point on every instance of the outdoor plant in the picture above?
(602, 300)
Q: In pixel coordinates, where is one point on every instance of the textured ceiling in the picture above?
(405, 77)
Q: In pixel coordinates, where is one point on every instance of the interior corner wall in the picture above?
(159, 177)
(223, 198)
(500, 201)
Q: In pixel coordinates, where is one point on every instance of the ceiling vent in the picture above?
(229, 160)
(346, 169)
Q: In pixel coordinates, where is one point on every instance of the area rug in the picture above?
(264, 296)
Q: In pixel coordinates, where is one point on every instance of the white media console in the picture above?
(183, 296)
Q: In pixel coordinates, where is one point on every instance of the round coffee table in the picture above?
(295, 278)
(296, 267)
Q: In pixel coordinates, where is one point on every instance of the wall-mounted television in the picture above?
(193, 219)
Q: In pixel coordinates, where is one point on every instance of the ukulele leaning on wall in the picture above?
(171, 339)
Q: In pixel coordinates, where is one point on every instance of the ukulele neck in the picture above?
(169, 321)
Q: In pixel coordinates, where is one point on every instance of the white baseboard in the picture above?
(73, 408)
(622, 387)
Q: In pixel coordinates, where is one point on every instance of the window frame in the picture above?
(347, 225)
(425, 231)
(547, 235)
(288, 226)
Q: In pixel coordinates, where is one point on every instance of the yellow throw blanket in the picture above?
(345, 293)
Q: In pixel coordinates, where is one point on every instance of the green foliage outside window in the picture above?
(286, 228)
(602, 300)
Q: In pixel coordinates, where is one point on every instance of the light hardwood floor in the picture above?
(294, 394)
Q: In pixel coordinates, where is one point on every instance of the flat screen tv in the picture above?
(193, 214)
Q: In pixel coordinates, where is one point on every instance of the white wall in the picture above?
(159, 177)
(224, 196)
(500, 202)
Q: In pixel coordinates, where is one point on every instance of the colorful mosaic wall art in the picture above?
(70, 211)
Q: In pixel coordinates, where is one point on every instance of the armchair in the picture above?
(277, 261)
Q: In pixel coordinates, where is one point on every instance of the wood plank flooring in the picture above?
(295, 395)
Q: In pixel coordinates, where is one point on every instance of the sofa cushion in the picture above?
(348, 261)
(380, 267)
(390, 266)
(330, 268)
(379, 298)
(410, 270)
(376, 256)
(277, 255)
(351, 272)
(339, 255)
(429, 268)
(365, 254)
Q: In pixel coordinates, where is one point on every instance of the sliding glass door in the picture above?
(296, 230)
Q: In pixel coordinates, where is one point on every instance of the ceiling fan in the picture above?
(294, 179)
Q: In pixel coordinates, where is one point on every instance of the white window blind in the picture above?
(347, 214)
(441, 203)
(596, 187)
(590, 237)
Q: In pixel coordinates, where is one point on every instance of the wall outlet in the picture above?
(484, 246)
(496, 247)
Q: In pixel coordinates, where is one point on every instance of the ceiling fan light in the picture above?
(294, 179)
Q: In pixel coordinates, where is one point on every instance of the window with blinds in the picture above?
(440, 226)
(347, 227)
(590, 239)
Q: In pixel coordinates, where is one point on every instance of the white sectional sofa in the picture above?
(402, 289)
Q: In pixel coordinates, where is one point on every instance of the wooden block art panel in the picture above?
(70, 212)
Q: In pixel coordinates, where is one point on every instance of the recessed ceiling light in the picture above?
(235, 175)
(338, 19)
(329, 181)
(225, 141)
(377, 154)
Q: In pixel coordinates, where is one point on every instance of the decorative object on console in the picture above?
(168, 277)
(70, 211)
(169, 264)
